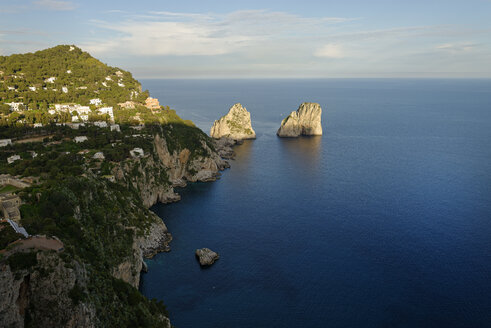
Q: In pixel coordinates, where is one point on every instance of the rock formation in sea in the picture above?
(235, 125)
(206, 256)
(305, 121)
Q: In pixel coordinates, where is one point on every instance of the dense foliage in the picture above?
(26, 78)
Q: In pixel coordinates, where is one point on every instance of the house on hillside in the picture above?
(95, 101)
(13, 158)
(5, 142)
(9, 206)
(16, 106)
(80, 139)
(101, 124)
(98, 155)
(50, 80)
(152, 103)
(107, 111)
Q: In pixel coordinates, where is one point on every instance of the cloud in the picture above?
(330, 51)
(250, 43)
(190, 34)
(456, 48)
(56, 5)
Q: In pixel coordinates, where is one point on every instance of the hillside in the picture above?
(82, 193)
(38, 79)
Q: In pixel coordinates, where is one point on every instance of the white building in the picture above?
(50, 80)
(74, 118)
(119, 74)
(11, 88)
(16, 106)
(108, 111)
(121, 84)
(82, 110)
(5, 142)
(32, 88)
(137, 153)
(64, 89)
(104, 84)
(80, 139)
(38, 125)
(108, 78)
(101, 124)
(96, 101)
(98, 155)
(51, 112)
(115, 127)
(69, 71)
(84, 118)
(13, 158)
(62, 107)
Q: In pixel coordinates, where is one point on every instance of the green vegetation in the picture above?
(22, 261)
(7, 235)
(180, 136)
(8, 188)
(83, 76)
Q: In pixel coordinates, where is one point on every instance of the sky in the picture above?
(262, 39)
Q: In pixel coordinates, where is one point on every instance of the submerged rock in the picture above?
(305, 121)
(206, 256)
(235, 125)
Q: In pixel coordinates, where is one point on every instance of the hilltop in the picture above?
(37, 79)
(64, 84)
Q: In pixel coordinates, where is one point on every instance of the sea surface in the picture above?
(384, 221)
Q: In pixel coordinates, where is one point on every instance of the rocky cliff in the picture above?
(305, 121)
(107, 231)
(235, 125)
(43, 290)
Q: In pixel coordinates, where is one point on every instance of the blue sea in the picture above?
(384, 221)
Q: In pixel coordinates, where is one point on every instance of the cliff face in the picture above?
(305, 121)
(44, 293)
(235, 125)
(73, 288)
(180, 167)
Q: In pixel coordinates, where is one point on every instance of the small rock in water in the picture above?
(206, 256)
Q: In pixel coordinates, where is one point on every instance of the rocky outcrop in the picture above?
(179, 168)
(44, 293)
(183, 168)
(156, 240)
(224, 147)
(305, 121)
(235, 125)
(206, 256)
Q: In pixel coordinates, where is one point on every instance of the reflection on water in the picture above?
(303, 152)
(243, 156)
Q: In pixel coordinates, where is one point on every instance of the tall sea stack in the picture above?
(305, 121)
(235, 125)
